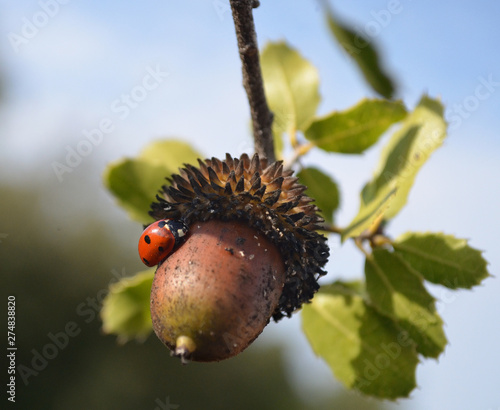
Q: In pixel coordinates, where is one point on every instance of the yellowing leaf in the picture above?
(422, 132)
(365, 350)
(443, 259)
(169, 153)
(125, 310)
(291, 86)
(356, 129)
(397, 291)
(372, 214)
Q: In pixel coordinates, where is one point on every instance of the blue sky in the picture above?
(65, 79)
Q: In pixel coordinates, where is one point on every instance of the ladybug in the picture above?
(159, 239)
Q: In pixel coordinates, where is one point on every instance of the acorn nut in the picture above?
(215, 294)
(251, 252)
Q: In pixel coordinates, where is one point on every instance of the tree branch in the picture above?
(262, 117)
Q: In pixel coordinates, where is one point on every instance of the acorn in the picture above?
(250, 252)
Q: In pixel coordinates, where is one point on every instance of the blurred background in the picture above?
(67, 66)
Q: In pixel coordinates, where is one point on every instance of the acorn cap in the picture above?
(269, 199)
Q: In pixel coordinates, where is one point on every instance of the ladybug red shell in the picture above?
(159, 239)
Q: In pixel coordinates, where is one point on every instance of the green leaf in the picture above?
(408, 149)
(365, 350)
(323, 189)
(422, 132)
(135, 182)
(397, 291)
(357, 129)
(171, 154)
(371, 215)
(364, 53)
(291, 86)
(125, 310)
(443, 259)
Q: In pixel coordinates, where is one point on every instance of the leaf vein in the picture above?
(433, 258)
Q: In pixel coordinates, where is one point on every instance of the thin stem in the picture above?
(359, 244)
(331, 228)
(298, 152)
(380, 240)
(262, 117)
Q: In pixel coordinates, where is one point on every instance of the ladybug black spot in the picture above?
(161, 249)
(161, 224)
(146, 261)
(147, 239)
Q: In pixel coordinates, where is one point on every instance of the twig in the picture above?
(359, 244)
(262, 117)
(331, 228)
(298, 152)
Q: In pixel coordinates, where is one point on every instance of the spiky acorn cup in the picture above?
(252, 253)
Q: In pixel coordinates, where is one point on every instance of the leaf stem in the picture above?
(331, 228)
(359, 244)
(380, 240)
(298, 152)
(262, 117)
